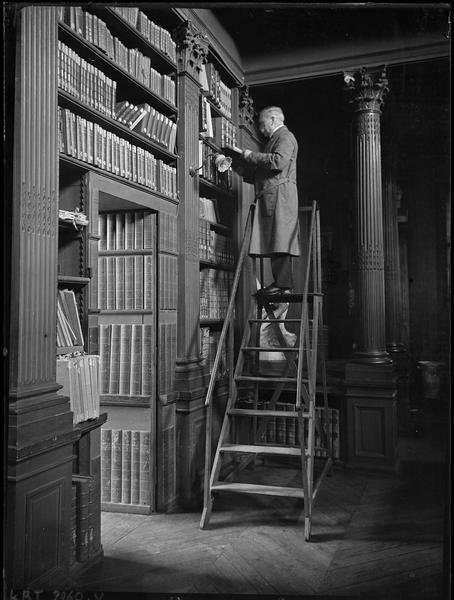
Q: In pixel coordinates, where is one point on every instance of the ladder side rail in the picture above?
(231, 305)
(304, 315)
(327, 429)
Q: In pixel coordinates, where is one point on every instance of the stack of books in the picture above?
(79, 378)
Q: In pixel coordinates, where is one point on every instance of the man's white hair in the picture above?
(273, 111)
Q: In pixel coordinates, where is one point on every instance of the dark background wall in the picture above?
(415, 121)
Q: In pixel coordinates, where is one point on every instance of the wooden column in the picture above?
(370, 377)
(192, 51)
(40, 431)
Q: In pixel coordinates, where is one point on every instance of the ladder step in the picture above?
(276, 320)
(256, 412)
(273, 349)
(251, 488)
(268, 379)
(257, 449)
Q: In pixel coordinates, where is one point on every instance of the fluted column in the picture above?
(368, 93)
(40, 431)
(370, 377)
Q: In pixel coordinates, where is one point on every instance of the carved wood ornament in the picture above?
(193, 48)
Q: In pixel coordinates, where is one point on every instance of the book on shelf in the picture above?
(106, 464)
(69, 330)
(79, 378)
(135, 467)
(82, 483)
(116, 462)
(126, 468)
(73, 524)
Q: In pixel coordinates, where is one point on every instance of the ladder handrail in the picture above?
(231, 305)
(304, 305)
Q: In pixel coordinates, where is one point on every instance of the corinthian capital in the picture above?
(368, 89)
(192, 46)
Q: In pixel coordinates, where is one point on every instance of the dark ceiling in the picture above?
(285, 26)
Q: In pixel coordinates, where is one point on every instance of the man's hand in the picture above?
(246, 153)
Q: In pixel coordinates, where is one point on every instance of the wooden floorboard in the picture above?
(373, 536)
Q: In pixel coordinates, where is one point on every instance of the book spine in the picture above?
(106, 464)
(82, 521)
(116, 463)
(126, 468)
(147, 360)
(125, 358)
(114, 371)
(135, 466)
(73, 555)
(136, 360)
(138, 282)
(119, 282)
(144, 460)
(129, 282)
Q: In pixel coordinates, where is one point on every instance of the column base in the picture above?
(372, 358)
(371, 402)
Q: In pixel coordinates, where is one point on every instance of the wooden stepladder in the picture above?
(255, 391)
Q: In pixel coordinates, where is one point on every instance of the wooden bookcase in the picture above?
(57, 467)
(124, 180)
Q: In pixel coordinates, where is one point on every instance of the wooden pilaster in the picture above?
(40, 432)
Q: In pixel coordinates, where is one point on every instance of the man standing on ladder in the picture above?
(275, 229)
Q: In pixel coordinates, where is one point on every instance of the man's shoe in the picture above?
(273, 290)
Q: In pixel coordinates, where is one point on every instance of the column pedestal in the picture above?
(371, 400)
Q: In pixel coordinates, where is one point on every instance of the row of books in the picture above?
(126, 466)
(90, 143)
(85, 82)
(130, 230)
(156, 35)
(79, 376)
(284, 430)
(213, 246)
(209, 170)
(85, 518)
(225, 132)
(219, 93)
(215, 288)
(208, 210)
(69, 330)
(209, 343)
(126, 359)
(126, 282)
(147, 121)
(96, 32)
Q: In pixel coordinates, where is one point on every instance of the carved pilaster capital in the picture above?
(247, 112)
(368, 90)
(192, 46)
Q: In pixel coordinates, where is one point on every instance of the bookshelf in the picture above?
(117, 126)
(73, 153)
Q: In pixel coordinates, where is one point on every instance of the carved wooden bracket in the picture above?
(368, 89)
(247, 112)
(193, 48)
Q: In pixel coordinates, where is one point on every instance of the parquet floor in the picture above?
(373, 536)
